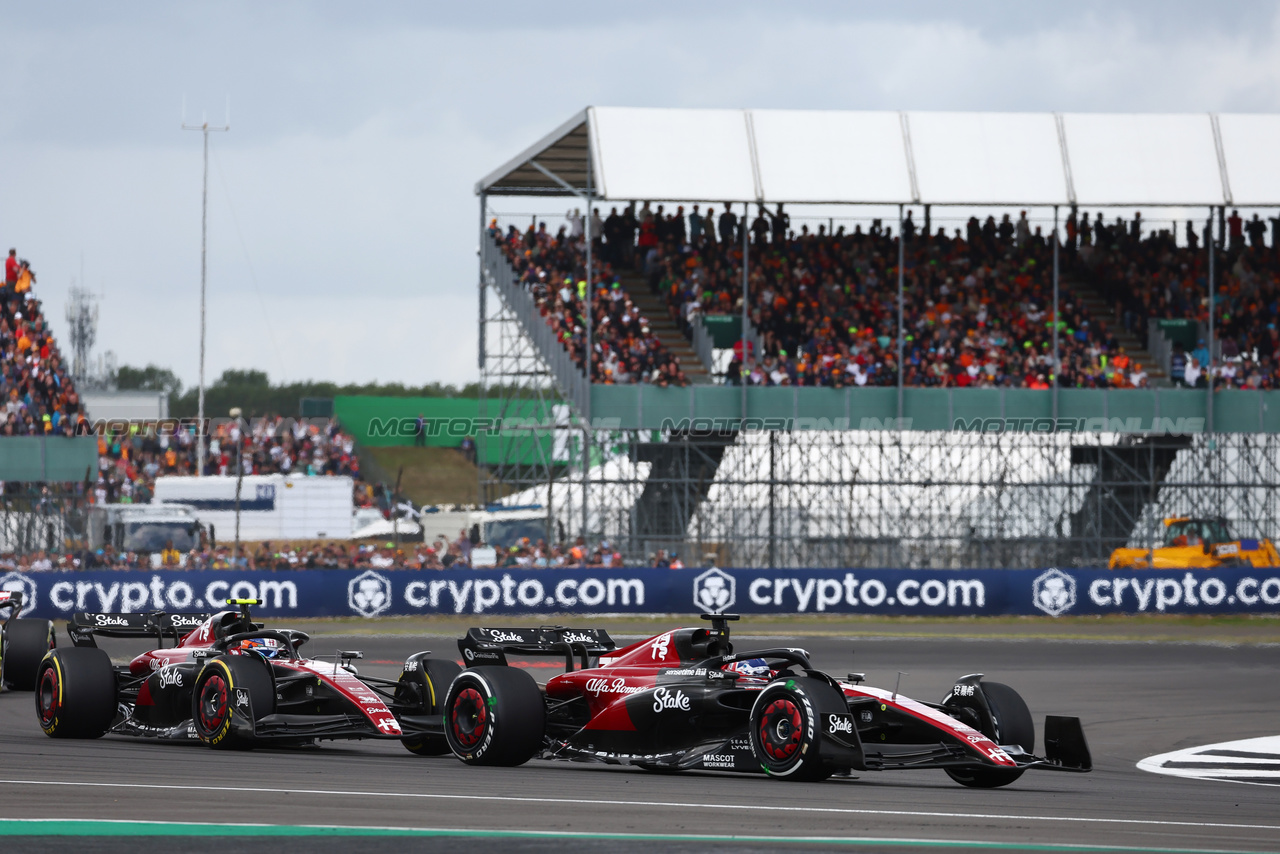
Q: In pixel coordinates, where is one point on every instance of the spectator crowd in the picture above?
(129, 461)
(35, 385)
(977, 308)
(442, 553)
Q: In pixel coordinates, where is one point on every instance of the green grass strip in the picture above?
(45, 827)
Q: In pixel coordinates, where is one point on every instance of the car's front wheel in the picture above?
(1013, 725)
(426, 687)
(25, 643)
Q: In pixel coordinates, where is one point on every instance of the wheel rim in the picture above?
(47, 696)
(468, 719)
(213, 703)
(780, 730)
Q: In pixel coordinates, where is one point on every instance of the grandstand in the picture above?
(887, 321)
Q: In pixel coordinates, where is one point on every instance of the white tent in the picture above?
(942, 158)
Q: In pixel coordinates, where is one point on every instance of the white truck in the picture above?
(272, 506)
(147, 529)
(496, 526)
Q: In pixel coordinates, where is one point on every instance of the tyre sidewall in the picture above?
(478, 753)
(1013, 725)
(83, 686)
(806, 761)
(246, 700)
(26, 643)
(515, 716)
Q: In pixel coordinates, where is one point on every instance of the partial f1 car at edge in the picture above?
(23, 642)
(229, 682)
(685, 699)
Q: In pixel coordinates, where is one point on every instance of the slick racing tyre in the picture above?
(230, 693)
(494, 716)
(75, 693)
(25, 645)
(427, 686)
(1013, 725)
(784, 729)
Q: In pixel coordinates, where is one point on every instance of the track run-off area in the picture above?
(1141, 692)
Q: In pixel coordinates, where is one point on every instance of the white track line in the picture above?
(347, 793)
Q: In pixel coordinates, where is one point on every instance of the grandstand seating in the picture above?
(39, 397)
(977, 309)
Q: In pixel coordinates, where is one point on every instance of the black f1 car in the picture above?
(23, 642)
(229, 682)
(685, 699)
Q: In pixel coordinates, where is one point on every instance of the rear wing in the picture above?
(83, 625)
(490, 646)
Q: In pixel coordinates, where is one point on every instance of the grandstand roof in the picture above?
(942, 158)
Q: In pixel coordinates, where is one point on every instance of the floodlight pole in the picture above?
(902, 255)
(586, 426)
(746, 254)
(204, 233)
(1057, 364)
(480, 354)
(1209, 367)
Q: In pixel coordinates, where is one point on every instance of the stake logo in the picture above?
(714, 590)
(369, 594)
(16, 582)
(1053, 592)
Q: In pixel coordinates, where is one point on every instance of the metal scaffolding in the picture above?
(851, 498)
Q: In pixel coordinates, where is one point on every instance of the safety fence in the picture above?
(486, 593)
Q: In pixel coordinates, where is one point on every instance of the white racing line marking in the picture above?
(348, 793)
(1253, 761)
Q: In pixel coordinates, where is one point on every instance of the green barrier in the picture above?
(382, 422)
(1164, 410)
(1181, 331)
(725, 329)
(36, 459)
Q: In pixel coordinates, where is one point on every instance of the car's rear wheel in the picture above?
(427, 686)
(784, 730)
(25, 643)
(230, 693)
(494, 716)
(75, 693)
(1013, 725)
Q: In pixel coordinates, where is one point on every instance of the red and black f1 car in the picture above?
(228, 681)
(685, 699)
(23, 642)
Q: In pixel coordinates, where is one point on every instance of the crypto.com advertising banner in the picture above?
(372, 593)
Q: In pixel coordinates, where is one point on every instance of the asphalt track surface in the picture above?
(1136, 699)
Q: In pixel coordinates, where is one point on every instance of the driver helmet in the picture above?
(756, 668)
(265, 647)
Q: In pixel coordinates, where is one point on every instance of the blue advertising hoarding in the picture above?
(887, 592)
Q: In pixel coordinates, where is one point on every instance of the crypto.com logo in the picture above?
(714, 590)
(1053, 592)
(16, 582)
(369, 594)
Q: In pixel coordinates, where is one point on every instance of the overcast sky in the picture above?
(341, 216)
